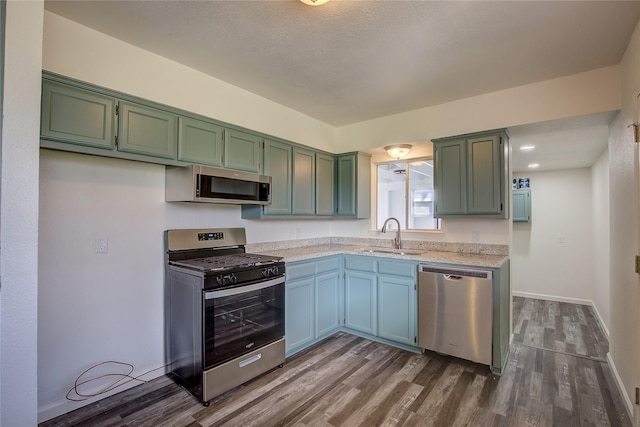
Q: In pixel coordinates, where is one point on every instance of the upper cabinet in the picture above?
(147, 131)
(470, 173)
(277, 165)
(242, 150)
(353, 185)
(304, 181)
(521, 202)
(77, 116)
(325, 184)
(200, 142)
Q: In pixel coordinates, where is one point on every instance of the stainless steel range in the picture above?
(224, 310)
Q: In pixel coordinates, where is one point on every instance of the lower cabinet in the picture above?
(380, 298)
(360, 301)
(397, 309)
(313, 302)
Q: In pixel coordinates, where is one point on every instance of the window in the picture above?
(405, 191)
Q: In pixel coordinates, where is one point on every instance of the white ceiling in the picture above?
(354, 60)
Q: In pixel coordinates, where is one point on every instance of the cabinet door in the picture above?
(327, 307)
(242, 151)
(77, 116)
(325, 184)
(396, 309)
(346, 185)
(521, 201)
(360, 301)
(450, 164)
(146, 130)
(299, 309)
(483, 175)
(304, 182)
(200, 142)
(277, 165)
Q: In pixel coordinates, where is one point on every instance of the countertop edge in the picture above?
(438, 257)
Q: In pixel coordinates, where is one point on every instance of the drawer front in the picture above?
(361, 263)
(329, 264)
(396, 268)
(297, 271)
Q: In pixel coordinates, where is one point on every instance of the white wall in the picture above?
(541, 265)
(624, 344)
(600, 209)
(19, 213)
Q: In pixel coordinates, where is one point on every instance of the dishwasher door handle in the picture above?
(451, 277)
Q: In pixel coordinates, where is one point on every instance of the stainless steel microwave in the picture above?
(197, 183)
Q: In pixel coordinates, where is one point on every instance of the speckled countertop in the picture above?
(487, 256)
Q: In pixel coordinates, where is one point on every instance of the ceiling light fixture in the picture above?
(398, 151)
(534, 165)
(527, 147)
(314, 2)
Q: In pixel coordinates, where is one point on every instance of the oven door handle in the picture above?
(243, 289)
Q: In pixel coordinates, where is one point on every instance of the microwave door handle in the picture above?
(243, 289)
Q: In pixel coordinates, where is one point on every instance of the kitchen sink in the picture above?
(392, 251)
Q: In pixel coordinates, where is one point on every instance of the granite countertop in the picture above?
(432, 256)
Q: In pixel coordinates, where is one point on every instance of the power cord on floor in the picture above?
(74, 394)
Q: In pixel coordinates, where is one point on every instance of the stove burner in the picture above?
(225, 262)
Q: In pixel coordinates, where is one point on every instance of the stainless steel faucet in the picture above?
(397, 243)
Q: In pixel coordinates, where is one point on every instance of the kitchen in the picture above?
(131, 209)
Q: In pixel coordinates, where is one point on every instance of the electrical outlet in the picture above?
(560, 239)
(102, 245)
(476, 236)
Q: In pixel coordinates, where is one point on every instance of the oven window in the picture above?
(237, 324)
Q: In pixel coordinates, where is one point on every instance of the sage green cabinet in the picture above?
(325, 184)
(470, 173)
(521, 202)
(148, 131)
(242, 150)
(200, 142)
(360, 299)
(380, 297)
(299, 306)
(304, 181)
(277, 165)
(397, 289)
(313, 301)
(77, 116)
(353, 185)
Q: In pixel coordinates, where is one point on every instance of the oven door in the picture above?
(241, 319)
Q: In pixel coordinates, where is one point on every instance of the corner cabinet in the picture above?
(302, 183)
(521, 202)
(353, 185)
(470, 175)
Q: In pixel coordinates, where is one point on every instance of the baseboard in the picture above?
(64, 406)
(552, 298)
(625, 397)
(602, 324)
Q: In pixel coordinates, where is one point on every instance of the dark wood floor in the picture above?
(557, 375)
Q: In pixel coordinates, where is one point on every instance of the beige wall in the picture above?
(624, 231)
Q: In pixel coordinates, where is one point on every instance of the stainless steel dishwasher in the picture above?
(455, 312)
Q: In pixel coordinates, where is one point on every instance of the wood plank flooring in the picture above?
(557, 375)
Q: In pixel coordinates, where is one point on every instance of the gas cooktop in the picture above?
(226, 262)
